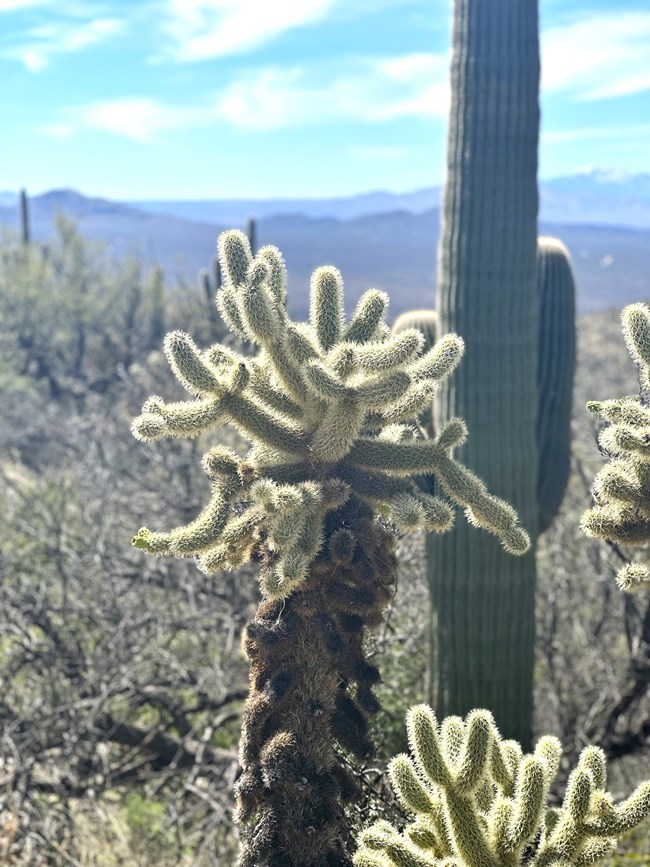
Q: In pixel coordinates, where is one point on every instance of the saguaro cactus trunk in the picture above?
(484, 600)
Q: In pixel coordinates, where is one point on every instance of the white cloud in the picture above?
(372, 91)
(378, 152)
(61, 37)
(375, 90)
(592, 58)
(136, 118)
(201, 29)
(13, 5)
(632, 132)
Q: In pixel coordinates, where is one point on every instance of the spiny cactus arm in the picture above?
(183, 419)
(367, 317)
(616, 523)
(326, 309)
(621, 512)
(408, 786)
(459, 483)
(621, 817)
(636, 331)
(275, 398)
(262, 425)
(476, 752)
(529, 800)
(190, 366)
(395, 352)
(397, 851)
(277, 273)
(594, 850)
(634, 578)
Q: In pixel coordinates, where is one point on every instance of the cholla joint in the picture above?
(330, 407)
(621, 490)
(478, 801)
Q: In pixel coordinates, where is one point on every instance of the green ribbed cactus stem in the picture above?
(487, 293)
(425, 321)
(555, 370)
(25, 229)
(251, 233)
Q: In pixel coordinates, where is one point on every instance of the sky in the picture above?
(199, 99)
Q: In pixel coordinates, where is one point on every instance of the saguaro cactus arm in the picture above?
(555, 371)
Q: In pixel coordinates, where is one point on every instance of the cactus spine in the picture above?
(621, 512)
(329, 407)
(555, 367)
(478, 801)
(487, 291)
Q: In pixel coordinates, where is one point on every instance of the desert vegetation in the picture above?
(342, 519)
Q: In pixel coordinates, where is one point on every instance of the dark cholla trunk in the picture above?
(311, 698)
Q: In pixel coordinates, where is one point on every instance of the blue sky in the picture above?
(270, 98)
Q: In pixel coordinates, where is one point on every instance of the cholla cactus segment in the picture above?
(338, 400)
(477, 801)
(621, 490)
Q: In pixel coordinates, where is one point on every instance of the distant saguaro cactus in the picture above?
(25, 228)
(329, 408)
(479, 801)
(621, 490)
(488, 292)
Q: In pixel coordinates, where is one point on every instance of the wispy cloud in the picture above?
(136, 118)
(39, 44)
(383, 89)
(203, 29)
(14, 5)
(275, 98)
(592, 57)
(631, 133)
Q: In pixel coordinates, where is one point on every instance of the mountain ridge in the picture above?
(392, 250)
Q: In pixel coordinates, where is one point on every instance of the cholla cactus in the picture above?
(622, 488)
(330, 408)
(480, 802)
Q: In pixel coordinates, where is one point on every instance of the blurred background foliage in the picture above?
(122, 678)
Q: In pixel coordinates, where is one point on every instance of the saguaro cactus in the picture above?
(488, 293)
(479, 801)
(621, 489)
(25, 229)
(329, 408)
(555, 368)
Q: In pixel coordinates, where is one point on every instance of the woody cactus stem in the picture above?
(478, 801)
(488, 294)
(330, 408)
(555, 368)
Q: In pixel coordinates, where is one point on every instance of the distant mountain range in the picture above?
(390, 248)
(594, 197)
